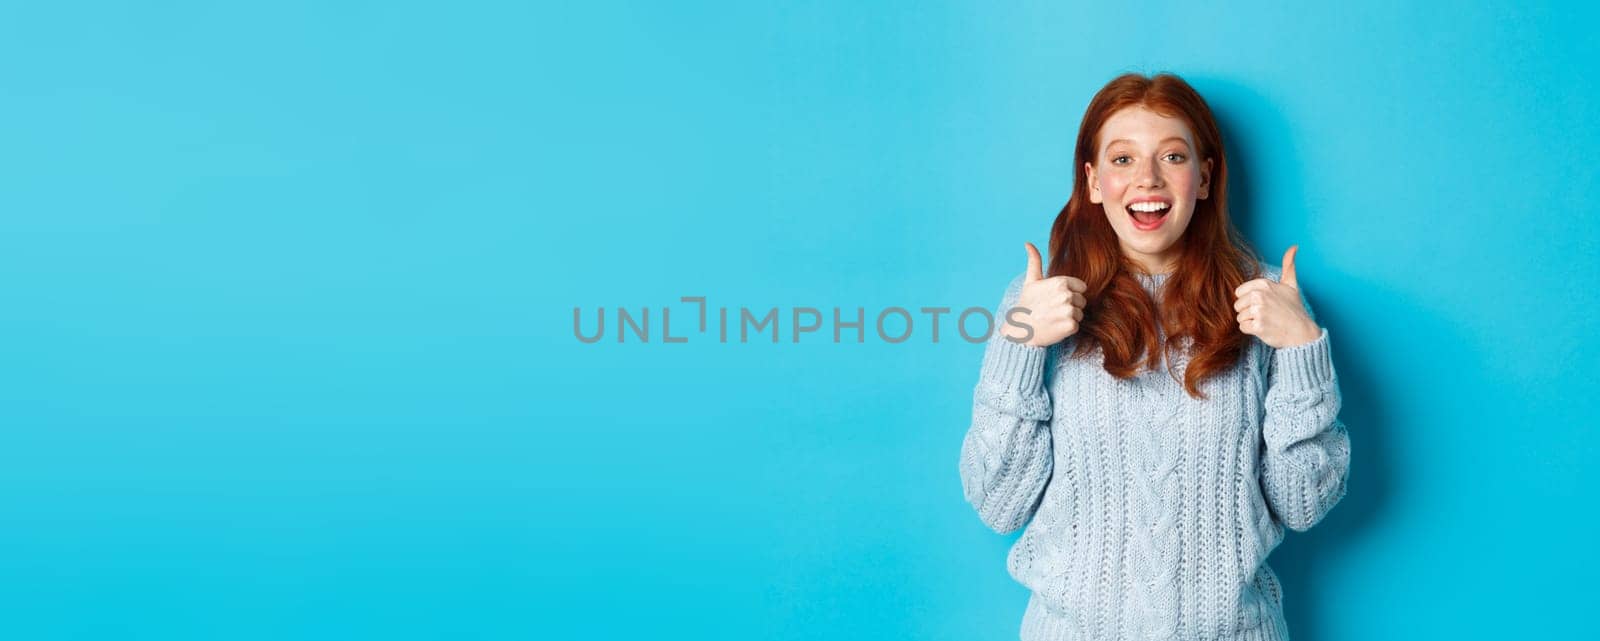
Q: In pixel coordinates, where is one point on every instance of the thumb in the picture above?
(1035, 264)
(1288, 268)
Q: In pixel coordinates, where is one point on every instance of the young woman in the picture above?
(1161, 404)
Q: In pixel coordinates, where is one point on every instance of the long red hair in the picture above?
(1197, 301)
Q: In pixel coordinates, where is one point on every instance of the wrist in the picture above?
(1307, 334)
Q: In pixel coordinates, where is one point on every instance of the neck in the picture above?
(1155, 267)
(1164, 263)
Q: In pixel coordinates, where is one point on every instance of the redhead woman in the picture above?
(1159, 404)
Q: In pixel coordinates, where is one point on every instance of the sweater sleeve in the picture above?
(1306, 449)
(1006, 455)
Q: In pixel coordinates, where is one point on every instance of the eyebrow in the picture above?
(1163, 141)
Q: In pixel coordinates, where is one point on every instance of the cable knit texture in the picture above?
(1149, 513)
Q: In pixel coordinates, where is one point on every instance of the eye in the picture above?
(1176, 157)
(1121, 160)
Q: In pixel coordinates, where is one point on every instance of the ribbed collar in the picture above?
(1152, 282)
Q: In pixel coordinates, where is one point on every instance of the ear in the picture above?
(1094, 183)
(1205, 180)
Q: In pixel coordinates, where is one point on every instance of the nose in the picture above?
(1149, 176)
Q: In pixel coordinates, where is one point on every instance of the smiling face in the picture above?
(1147, 178)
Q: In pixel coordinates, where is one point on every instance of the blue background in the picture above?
(286, 344)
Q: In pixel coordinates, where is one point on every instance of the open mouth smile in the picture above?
(1148, 215)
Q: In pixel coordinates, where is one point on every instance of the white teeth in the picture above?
(1148, 206)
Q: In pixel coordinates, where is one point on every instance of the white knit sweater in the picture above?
(1152, 512)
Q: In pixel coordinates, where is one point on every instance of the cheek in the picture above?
(1112, 184)
(1186, 182)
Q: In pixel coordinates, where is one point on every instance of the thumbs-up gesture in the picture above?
(1048, 310)
(1273, 311)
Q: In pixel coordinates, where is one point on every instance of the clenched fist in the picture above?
(1048, 310)
(1273, 311)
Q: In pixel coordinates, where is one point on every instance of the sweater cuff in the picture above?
(1307, 366)
(1014, 366)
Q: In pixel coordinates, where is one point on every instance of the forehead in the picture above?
(1143, 127)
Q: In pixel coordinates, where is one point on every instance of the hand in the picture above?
(1048, 309)
(1273, 311)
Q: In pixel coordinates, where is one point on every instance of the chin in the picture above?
(1155, 249)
